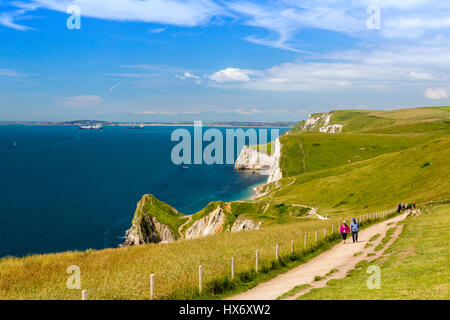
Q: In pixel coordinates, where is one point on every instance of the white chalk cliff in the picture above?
(211, 224)
(322, 123)
(251, 159)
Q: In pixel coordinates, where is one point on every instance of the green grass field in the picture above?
(415, 266)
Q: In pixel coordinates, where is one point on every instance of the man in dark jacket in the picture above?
(354, 226)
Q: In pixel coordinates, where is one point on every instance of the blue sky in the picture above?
(174, 60)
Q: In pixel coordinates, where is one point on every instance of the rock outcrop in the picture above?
(321, 123)
(147, 227)
(275, 173)
(242, 224)
(211, 224)
(148, 230)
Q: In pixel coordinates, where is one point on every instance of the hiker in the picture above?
(403, 206)
(344, 230)
(399, 207)
(355, 229)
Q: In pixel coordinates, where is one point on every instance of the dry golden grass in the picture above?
(123, 273)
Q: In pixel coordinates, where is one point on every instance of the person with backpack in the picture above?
(355, 229)
(344, 230)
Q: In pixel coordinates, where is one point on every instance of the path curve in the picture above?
(340, 257)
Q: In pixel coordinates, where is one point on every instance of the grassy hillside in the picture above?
(416, 266)
(309, 152)
(416, 174)
(363, 120)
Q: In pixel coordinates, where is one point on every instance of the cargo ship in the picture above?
(98, 126)
(141, 126)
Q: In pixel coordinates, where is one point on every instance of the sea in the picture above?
(62, 188)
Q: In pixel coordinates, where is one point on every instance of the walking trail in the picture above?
(341, 257)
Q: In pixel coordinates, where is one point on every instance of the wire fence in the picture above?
(310, 241)
(303, 243)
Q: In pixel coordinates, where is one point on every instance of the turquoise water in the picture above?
(68, 189)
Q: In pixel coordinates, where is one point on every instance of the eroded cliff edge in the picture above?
(157, 222)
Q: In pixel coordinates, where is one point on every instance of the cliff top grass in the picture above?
(416, 268)
(416, 174)
(362, 120)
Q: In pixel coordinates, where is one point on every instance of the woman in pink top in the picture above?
(344, 230)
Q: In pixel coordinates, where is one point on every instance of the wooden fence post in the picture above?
(84, 295)
(292, 246)
(257, 260)
(324, 233)
(232, 268)
(315, 237)
(200, 279)
(277, 249)
(332, 229)
(152, 286)
(306, 240)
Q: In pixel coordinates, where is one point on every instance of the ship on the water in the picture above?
(141, 126)
(98, 126)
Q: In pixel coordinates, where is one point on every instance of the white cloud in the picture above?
(7, 20)
(114, 87)
(421, 75)
(86, 101)
(10, 73)
(155, 112)
(284, 19)
(187, 75)
(157, 30)
(386, 69)
(230, 75)
(173, 12)
(436, 94)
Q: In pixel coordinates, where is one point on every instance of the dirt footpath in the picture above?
(341, 257)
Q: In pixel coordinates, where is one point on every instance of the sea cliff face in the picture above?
(211, 224)
(251, 159)
(156, 222)
(321, 122)
(146, 226)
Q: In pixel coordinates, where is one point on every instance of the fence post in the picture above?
(84, 295)
(200, 279)
(292, 246)
(277, 249)
(306, 240)
(324, 233)
(152, 286)
(332, 229)
(257, 260)
(232, 268)
(315, 237)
